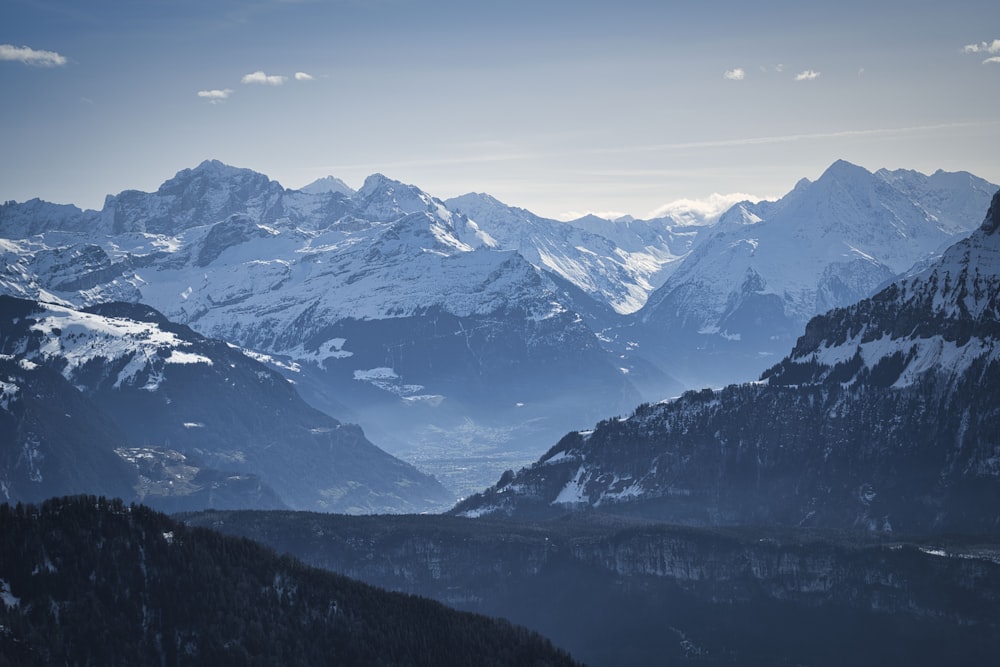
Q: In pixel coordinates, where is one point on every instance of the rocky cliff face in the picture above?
(644, 594)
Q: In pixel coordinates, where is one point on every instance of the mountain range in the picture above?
(883, 417)
(116, 399)
(841, 510)
(818, 504)
(465, 335)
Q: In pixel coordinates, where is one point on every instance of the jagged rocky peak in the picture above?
(939, 320)
(206, 194)
(212, 172)
(216, 187)
(842, 170)
(388, 199)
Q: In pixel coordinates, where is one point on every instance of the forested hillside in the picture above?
(89, 581)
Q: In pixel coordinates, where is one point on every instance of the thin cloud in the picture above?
(983, 47)
(807, 75)
(265, 79)
(30, 56)
(994, 59)
(302, 76)
(736, 74)
(701, 211)
(216, 95)
(786, 138)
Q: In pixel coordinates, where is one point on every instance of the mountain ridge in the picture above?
(377, 303)
(882, 418)
(166, 387)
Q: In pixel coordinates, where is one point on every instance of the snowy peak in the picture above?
(215, 180)
(939, 322)
(883, 418)
(387, 199)
(194, 197)
(20, 221)
(845, 173)
(327, 184)
(617, 264)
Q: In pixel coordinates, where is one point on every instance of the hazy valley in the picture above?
(768, 437)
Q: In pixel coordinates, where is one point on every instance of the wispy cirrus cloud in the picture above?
(807, 75)
(766, 69)
(215, 95)
(303, 76)
(30, 56)
(266, 79)
(735, 74)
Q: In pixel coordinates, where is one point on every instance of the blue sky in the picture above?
(557, 106)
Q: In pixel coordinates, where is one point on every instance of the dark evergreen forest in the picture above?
(90, 581)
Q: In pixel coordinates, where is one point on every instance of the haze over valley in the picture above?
(554, 333)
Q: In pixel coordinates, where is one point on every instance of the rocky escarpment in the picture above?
(615, 590)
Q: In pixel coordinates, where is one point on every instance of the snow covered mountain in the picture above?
(154, 388)
(618, 264)
(744, 293)
(884, 417)
(384, 306)
(468, 335)
(327, 184)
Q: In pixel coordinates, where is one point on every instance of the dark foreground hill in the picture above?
(87, 581)
(618, 591)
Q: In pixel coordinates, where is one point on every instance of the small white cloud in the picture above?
(983, 47)
(302, 76)
(30, 56)
(736, 74)
(701, 211)
(994, 59)
(807, 75)
(215, 96)
(266, 79)
(861, 71)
